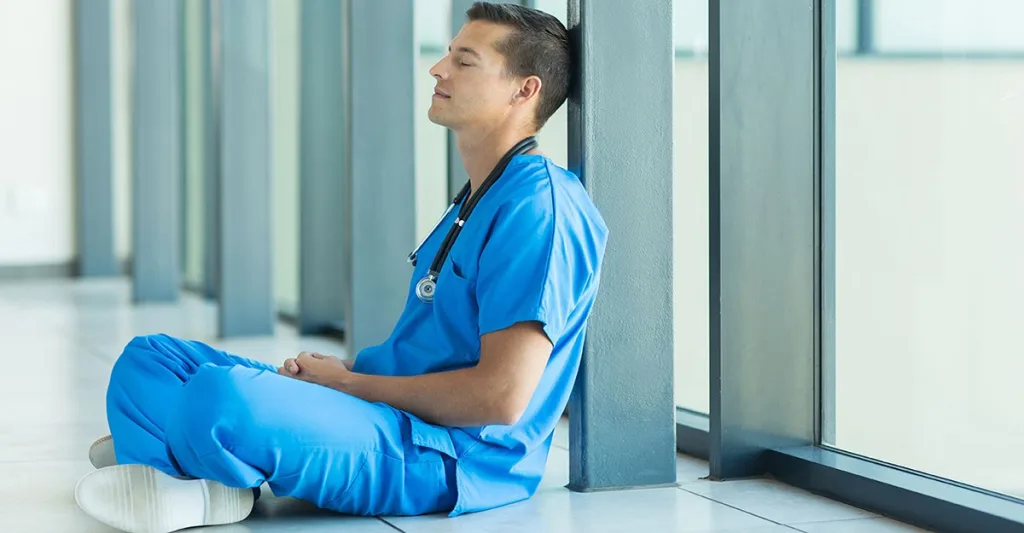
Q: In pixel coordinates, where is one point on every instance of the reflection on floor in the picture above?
(60, 339)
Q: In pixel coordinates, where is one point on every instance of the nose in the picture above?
(439, 71)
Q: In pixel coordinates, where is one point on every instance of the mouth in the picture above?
(438, 93)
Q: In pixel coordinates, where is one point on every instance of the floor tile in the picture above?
(49, 441)
(868, 525)
(50, 380)
(69, 406)
(61, 400)
(562, 511)
(279, 515)
(39, 497)
(303, 524)
(556, 474)
(561, 438)
(102, 310)
(776, 528)
(690, 469)
(775, 501)
(112, 330)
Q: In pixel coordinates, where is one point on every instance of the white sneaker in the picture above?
(101, 453)
(142, 499)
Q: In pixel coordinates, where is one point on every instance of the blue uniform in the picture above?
(531, 251)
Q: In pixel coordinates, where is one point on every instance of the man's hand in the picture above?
(325, 370)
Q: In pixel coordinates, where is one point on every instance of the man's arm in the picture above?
(495, 391)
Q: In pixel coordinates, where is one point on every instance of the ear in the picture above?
(528, 90)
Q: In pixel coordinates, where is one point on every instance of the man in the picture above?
(455, 411)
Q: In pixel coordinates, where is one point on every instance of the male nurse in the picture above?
(455, 411)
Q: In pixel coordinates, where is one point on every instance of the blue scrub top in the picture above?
(530, 251)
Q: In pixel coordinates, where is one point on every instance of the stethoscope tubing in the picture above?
(427, 286)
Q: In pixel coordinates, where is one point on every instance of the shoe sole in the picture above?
(142, 499)
(101, 453)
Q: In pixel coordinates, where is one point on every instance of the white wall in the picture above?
(36, 133)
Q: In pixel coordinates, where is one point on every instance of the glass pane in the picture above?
(949, 26)
(121, 30)
(690, 205)
(929, 206)
(284, 145)
(433, 32)
(846, 26)
(554, 137)
(194, 122)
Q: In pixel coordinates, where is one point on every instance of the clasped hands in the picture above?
(311, 367)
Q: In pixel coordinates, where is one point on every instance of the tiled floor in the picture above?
(61, 337)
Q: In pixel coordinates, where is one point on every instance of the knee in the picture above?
(140, 351)
(136, 357)
(146, 343)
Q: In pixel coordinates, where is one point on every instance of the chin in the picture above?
(438, 119)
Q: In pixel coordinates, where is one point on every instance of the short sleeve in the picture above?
(523, 272)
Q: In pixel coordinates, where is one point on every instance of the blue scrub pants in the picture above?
(190, 410)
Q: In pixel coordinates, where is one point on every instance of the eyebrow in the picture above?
(466, 50)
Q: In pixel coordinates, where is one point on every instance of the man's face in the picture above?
(471, 85)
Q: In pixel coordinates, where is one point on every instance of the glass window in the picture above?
(554, 137)
(948, 26)
(929, 206)
(690, 205)
(285, 21)
(121, 30)
(433, 21)
(846, 26)
(194, 137)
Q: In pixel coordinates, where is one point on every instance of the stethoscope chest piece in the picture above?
(426, 288)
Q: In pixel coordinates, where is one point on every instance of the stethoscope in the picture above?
(427, 286)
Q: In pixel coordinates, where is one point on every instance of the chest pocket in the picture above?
(456, 312)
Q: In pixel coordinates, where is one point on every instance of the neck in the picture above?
(481, 152)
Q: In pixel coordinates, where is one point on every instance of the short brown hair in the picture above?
(537, 46)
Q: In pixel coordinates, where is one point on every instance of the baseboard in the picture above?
(288, 317)
(41, 271)
(66, 269)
